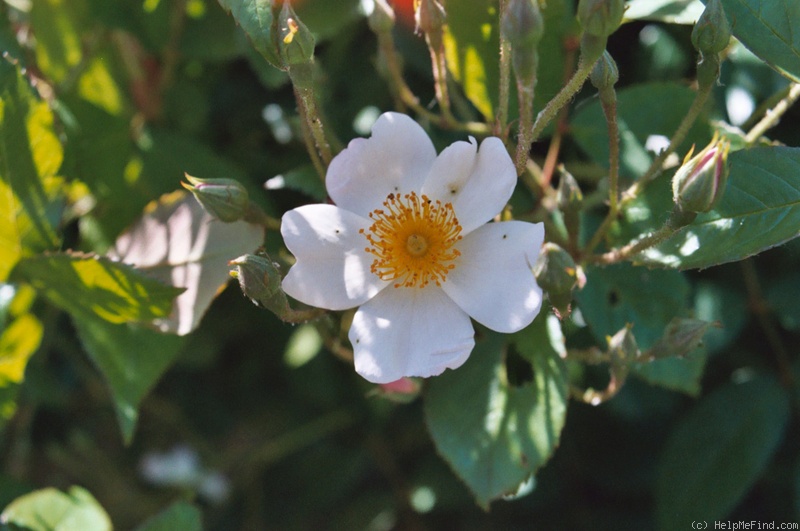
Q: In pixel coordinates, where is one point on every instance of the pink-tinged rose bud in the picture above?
(699, 184)
(402, 391)
(225, 199)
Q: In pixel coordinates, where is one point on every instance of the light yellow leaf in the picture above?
(18, 343)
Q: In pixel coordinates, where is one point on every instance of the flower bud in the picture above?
(260, 281)
(708, 68)
(712, 33)
(522, 23)
(402, 391)
(296, 41)
(523, 26)
(623, 344)
(225, 199)
(700, 182)
(600, 18)
(430, 16)
(605, 73)
(569, 194)
(557, 274)
(382, 18)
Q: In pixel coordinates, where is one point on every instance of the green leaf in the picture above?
(87, 286)
(641, 115)
(492, 434)
(303, 179)
(52, 510)
(179, 243)
(131, 359)
(677, 362)
(471, 44)
(18, 342)
(717, 452)
(724, 304)
(760, 209)
(769, 30)
(668, 11)
(676, 374)
(30, 153)
(180, 515)
(782, 295)
(257, 19)
(620, 294)
(649, 299)
(58, 26)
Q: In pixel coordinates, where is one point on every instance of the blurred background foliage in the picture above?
(257, 424)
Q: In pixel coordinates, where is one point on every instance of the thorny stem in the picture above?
(680, 134)
(772, 116)
(406, 95)
(308, 104)
(551, 160)
(439, 64)
(632, 249)
(562, 98)
(501, 118)
(760, 308)
(525, 94)
(610, 111)
(309, 141)
(609, 104)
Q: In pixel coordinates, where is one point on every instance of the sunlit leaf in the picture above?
(472, 44)
(180, 515)
(760, 209)
(52, 510)
(131, 358)
(769, 30)
(29, 154)
(18, 343)
(98, 86)
(495, 435)
(58, 26)
(86, 285)
(669, 11)
(179, 243)
(718, 451)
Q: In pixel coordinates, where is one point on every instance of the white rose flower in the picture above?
(409, 242)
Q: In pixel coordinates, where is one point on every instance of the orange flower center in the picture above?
(412, 240)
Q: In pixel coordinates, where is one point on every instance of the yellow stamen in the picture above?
(412, 240)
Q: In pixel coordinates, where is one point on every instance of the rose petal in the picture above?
(477, 181)
(409, 332)
(396, 158)
(332, 269)
(493, 279)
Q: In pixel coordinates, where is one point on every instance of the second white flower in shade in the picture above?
(409, 242)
